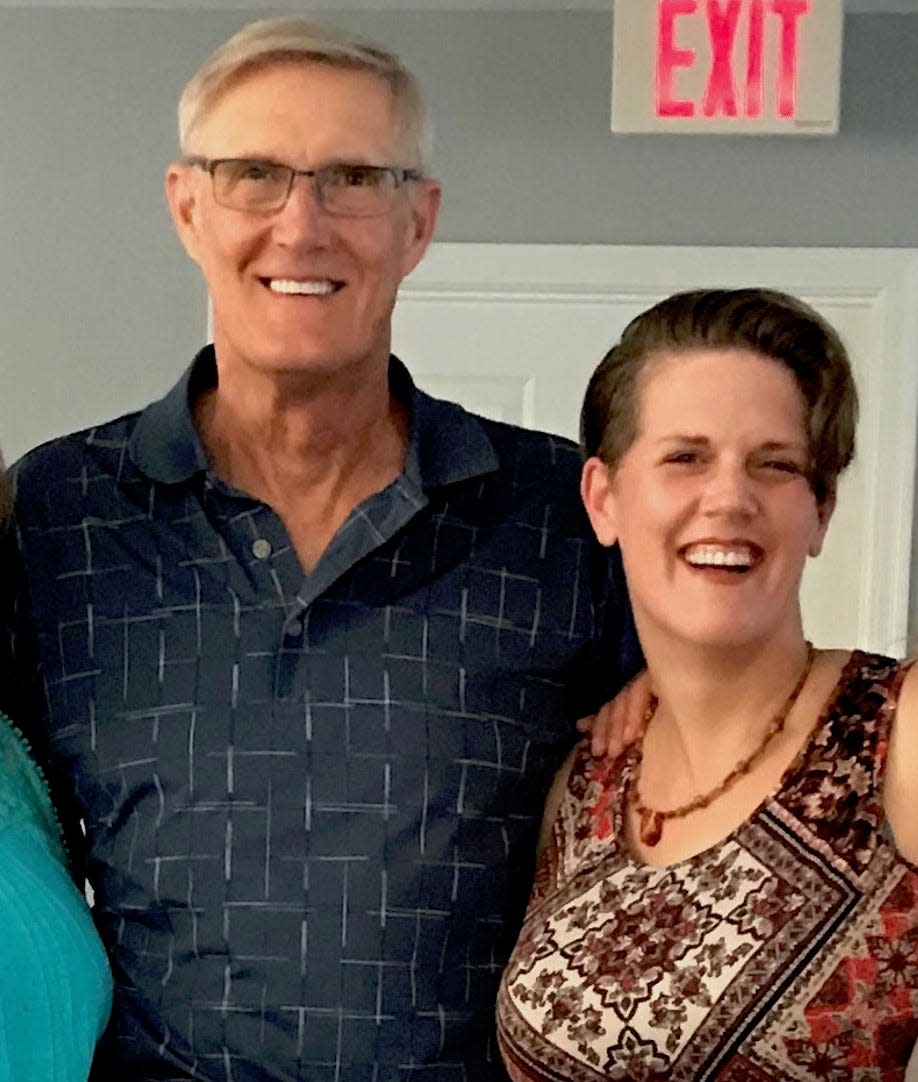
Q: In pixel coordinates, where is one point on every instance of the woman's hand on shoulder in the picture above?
(900, 792)
(618, 723)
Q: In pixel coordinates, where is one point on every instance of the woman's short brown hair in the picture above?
(764, 321)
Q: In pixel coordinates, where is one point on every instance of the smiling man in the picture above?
(308, 644)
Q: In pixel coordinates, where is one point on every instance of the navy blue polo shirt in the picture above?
(310, 801)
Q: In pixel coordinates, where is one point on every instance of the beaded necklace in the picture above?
(652, 819)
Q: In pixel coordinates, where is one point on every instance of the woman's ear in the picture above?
(823, 518)
(596, 491)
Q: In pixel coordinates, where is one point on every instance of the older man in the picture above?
(308, 643)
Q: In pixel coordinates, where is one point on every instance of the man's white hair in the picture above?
(290, 39)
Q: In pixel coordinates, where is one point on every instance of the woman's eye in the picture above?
(681, 458)
(781, 465)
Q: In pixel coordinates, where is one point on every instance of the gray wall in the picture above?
(101, 309)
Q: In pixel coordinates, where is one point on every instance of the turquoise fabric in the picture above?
(55, 985)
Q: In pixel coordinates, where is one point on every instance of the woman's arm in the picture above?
(900, 793)
(554, 798)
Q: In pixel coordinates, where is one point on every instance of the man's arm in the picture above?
(624, 689)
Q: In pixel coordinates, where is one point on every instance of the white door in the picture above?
(514, 332)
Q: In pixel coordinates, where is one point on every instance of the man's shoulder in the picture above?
(530, 448)
(509, 467)
(455, 445)
(75, 460)
(537, 466)
(530, 479)
(89, 442)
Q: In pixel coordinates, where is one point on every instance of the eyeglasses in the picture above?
(342, 189)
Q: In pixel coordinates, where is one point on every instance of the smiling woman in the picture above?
(702, 900)
(716, 490)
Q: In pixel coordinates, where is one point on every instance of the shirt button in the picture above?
(294, 627)
(261, 548)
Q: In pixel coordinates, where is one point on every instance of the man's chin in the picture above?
(286, 364)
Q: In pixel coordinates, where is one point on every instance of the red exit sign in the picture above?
(726, 66)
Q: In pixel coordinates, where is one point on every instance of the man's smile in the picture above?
(310, 287)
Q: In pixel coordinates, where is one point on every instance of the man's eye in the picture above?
(353, 176)
(252, 171)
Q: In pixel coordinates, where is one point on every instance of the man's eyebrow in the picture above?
(262, 159)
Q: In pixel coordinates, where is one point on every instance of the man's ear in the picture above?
(425, 208)
(597, 493)
(182, 195)
(823, 518)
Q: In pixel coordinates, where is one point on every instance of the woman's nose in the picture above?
(729, 490)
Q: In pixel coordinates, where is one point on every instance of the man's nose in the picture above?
(302, 215)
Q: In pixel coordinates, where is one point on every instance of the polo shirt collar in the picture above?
(447, 444)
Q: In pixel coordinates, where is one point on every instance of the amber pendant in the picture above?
(651, 826)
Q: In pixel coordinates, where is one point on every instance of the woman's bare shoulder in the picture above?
(900, 792)
(556, 794)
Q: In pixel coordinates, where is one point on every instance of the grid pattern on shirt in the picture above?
(310, 818)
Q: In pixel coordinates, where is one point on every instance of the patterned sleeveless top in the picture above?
(787, 952)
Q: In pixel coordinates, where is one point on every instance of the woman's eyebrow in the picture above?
(680, 437)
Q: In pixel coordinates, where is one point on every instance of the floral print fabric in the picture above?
(787, 952)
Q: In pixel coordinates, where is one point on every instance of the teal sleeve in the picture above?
(55, 985)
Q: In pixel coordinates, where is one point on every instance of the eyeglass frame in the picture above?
(401, 174)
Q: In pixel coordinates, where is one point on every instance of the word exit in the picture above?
(723, 26)
(741, 66)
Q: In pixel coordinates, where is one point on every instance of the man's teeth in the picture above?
(711, 556)
(319, 288)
